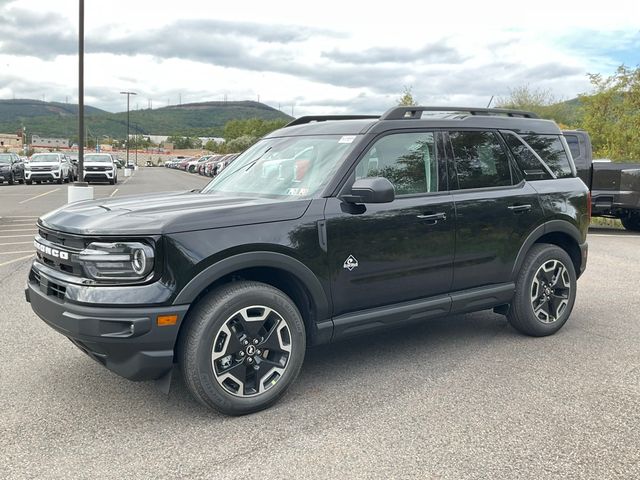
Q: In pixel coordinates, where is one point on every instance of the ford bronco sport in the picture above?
(328, 228)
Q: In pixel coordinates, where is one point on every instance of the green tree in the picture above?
(539, 101)
(407, 100)
(611, 114)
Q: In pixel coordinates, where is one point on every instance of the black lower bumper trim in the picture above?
(127, 341)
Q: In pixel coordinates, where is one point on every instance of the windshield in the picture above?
(291, 167)
(5, 158)
(45, 157)
(97, 158)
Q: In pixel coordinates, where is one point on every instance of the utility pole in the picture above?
(128, 94)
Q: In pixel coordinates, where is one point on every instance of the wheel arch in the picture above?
(276, 269)
(555, 232)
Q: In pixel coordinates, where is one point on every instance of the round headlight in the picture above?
(139, 261)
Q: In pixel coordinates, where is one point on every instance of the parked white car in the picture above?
(100, 167)
(48, 167)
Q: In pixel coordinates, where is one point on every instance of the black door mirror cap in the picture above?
(371, 190)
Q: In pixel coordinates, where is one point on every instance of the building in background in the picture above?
(37, 141)
(10, 140)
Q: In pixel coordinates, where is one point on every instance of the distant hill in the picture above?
(196, 119)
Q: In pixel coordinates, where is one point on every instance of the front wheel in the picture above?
(243, 347)
(545, 291)
(11, 180)
(29, 182)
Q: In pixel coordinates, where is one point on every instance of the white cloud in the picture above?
(334, 57)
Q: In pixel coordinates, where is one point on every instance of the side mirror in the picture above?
(371, 190)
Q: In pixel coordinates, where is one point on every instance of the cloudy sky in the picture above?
(315, 57)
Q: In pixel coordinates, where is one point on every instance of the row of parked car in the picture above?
(207, 165)
(58, 167)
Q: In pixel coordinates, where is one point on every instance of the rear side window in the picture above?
(480, 160)
(548, 147)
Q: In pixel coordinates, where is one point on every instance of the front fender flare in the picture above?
(242, 261)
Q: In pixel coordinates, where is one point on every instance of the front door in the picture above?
(383, 254)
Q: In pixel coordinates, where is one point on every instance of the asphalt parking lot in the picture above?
(457, 398)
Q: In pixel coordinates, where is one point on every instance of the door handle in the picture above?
(433, 218)
(519, 208)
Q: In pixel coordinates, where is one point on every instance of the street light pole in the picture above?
(128, 94)
(81, 92)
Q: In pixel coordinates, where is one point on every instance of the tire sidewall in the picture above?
(216, 317)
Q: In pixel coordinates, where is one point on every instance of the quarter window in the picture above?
(407, 160)
(480, 160)
(548, 147)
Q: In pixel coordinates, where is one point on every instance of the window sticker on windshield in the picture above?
(299, 192)
(347, 139)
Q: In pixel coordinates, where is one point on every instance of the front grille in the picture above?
(70, 244)
(41, 169)
(97, 169)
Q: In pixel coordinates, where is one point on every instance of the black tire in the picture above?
(631, 222)
(28, 182)
(221, 309)
(112, 182)
(60, 180)
(11, 180)
(21, 181)
(529, 308)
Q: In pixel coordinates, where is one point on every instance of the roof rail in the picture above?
(324, 118)
(400, 113)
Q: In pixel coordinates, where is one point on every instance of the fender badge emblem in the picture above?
(350, 263)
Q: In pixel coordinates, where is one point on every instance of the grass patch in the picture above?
(606, 222)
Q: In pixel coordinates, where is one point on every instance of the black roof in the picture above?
(420, 117)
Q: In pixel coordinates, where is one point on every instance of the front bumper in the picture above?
(53, 175)
(99, 175)
(127, 341)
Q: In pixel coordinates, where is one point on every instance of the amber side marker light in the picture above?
(166, 320)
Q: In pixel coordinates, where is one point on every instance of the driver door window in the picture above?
(407, 160)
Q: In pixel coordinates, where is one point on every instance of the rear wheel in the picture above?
(631, 222)
(243, 347)
(11, 180)
(545, 292)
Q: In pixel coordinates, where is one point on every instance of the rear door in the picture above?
(383, 254)
(495, 209)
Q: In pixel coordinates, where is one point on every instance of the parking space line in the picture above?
(612, 235)
(21, 216)
(18, 230)
(16, 253)
(38, 196)
(114, 192)
(17, 243)
(14, 236)
(16, 260)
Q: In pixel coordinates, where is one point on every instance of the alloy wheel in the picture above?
(251, 351)
(550, 291)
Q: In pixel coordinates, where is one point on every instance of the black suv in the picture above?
(328, 228)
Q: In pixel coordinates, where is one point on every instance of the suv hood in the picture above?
(168, 212)
(43, 164)
(98, 164)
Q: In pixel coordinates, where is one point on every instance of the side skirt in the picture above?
(371, 320)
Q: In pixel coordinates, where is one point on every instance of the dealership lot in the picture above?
(463, 397)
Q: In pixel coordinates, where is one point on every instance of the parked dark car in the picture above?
(329, 228)
(615, 186)
(11, 168)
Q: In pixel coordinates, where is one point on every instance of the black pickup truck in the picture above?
(615, 187)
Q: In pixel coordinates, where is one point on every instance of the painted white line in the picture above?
(114, 192)
(16, 260)
(16, 243)
(18, 229)
(612, 235)
(14, 236)
(20, 216)
(15, 253)
(38, 196)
